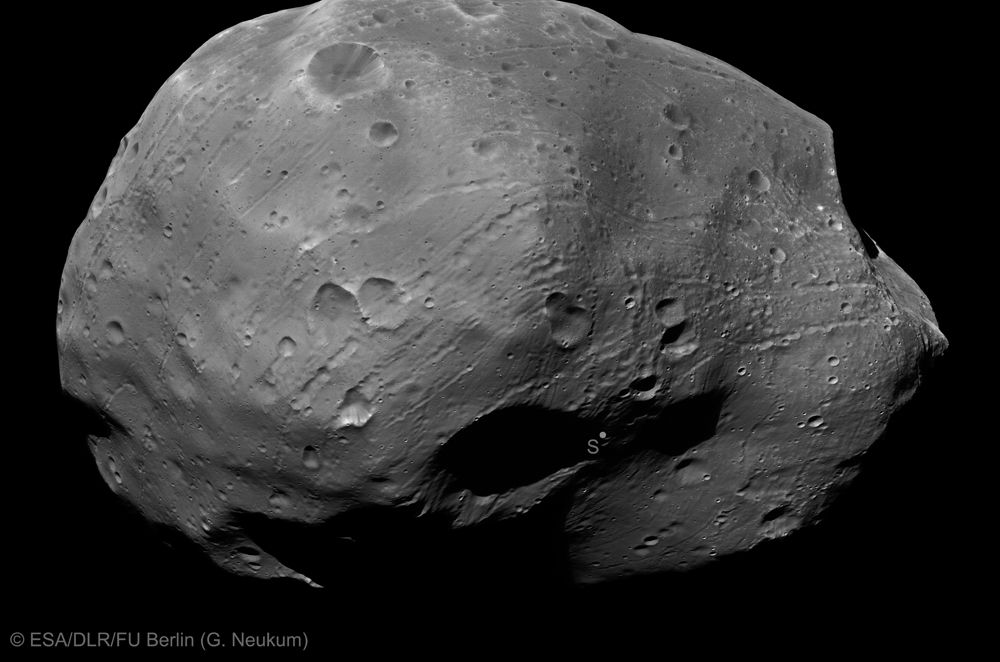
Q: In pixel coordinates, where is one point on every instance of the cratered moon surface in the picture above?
(463, 259)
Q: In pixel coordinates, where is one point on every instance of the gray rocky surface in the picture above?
(464, 259)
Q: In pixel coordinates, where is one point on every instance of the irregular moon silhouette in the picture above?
(464, 257)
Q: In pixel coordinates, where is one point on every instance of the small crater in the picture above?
(773, 514)
(643, 384)
(381, 302)
(331, 168)
(675, 117)
(554, 28)
(383, 134)
(249, 555)
(279, 500)
(569, 324)
(355, 409)
(672, 335)
(115, 333)
(334, 303)
(477, 9)
(758, 181)
(286, 347)
(113, 470)
(614, 46)
(310, 458)
(670, 311)
(485, 146)
(778, 522)
(345, 68)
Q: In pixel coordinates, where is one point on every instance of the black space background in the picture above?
(895, 552)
